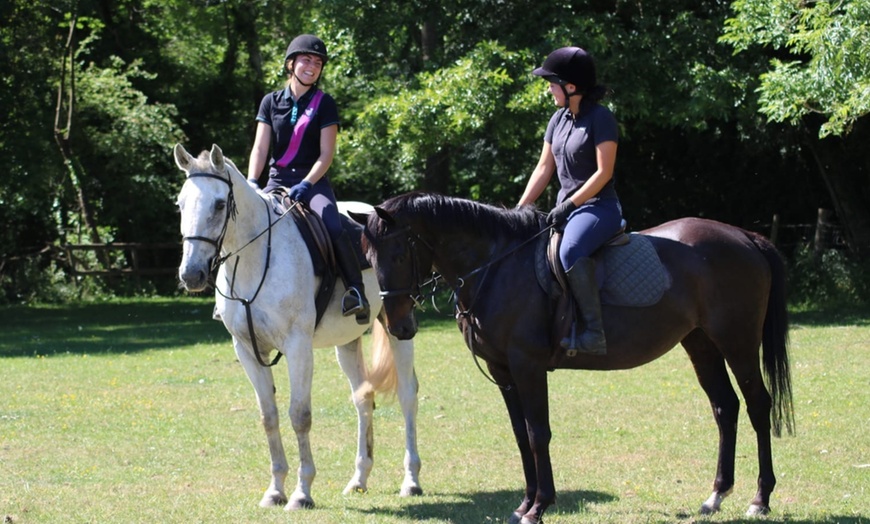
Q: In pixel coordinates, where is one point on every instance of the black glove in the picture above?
(298, 191)
(560, 213)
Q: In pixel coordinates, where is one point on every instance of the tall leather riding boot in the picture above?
(581, 280)
(354, 300)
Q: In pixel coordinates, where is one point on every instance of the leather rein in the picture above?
(218, 260)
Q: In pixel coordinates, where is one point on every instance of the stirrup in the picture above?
(353, 303)
(572, 344)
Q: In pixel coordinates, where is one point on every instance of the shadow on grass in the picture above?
(493, 506)
(496, 506)
(112, 327)
(857, 315)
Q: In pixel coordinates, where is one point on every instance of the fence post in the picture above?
(774, 228)
(822, 239)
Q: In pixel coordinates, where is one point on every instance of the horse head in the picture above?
(206, 206)
(394, 250)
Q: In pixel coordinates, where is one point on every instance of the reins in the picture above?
(219, 260)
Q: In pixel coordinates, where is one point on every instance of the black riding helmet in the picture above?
(307, 45)
(569, 65)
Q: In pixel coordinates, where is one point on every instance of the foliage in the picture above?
(431, 95)
(832, 278)
(825, 67)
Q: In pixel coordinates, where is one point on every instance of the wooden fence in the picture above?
(138, 259)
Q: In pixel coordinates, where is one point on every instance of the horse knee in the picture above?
(269, 420)
(301, 420)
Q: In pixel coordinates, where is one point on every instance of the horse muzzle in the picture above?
(193, 277)
(404, 329)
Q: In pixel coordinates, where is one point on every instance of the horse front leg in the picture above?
(350, 359)
(403, 354)
(535, 500)
(264, 387)
(300, 364)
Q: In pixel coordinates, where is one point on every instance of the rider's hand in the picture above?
(299, 191)
(560, 213)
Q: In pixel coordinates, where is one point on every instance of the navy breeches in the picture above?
(588, 228)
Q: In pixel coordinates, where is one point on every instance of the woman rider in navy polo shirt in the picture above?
(299, 124)
(580, 147)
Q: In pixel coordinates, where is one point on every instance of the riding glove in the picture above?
(560, 213)
(254, 184)
(299, 191)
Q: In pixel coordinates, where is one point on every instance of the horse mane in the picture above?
(468, 215)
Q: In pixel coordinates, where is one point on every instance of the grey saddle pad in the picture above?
(628, 275)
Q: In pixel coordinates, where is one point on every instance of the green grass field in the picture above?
(137, 411)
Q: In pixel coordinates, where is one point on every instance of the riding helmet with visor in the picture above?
(569, 65)
(306, 45)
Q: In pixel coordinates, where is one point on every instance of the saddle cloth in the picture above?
(630, 274)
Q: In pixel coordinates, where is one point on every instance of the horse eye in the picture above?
(220, 205)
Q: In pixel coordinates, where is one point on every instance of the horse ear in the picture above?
(385, 216)
(217, 158)
(182, 158)
(359, 218)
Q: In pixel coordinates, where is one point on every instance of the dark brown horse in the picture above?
(726, 299)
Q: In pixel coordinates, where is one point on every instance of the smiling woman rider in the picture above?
(299, 124)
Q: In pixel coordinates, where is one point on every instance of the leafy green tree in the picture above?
(818, 79)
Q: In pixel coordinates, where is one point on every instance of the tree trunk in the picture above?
(62, 137)
(849, 187)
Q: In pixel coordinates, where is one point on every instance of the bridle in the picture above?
(231, 212)
(413, 290)
(218, 260)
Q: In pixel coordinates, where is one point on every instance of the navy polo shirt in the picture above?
(573, 142)
(276, 109)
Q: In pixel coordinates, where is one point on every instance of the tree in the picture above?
(818, 79)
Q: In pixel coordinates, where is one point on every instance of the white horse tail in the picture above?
(382, 375)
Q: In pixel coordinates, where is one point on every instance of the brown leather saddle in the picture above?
(319, 244)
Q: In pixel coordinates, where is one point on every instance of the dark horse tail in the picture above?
(774, 340)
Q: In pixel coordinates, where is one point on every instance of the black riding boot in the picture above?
(354, 300)
(581, 280)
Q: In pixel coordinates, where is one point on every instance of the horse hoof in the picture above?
(757, 510)
(273, 498)
(298, 503)
(411, 491)
(354, 487)
(516, 518)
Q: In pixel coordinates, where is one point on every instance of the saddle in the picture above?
(629, 274)
(319, 244)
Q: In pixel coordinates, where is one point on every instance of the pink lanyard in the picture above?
(299, 131)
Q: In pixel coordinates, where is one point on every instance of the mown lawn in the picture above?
(136, 411)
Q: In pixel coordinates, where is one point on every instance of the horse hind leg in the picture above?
(758, 407)
(350, 359)
(712, 374)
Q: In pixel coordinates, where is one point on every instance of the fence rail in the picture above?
(134, 265)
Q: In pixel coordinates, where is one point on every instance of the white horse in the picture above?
(265, 293)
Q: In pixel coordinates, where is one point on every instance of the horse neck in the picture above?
(251, 218)
(458, 253)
